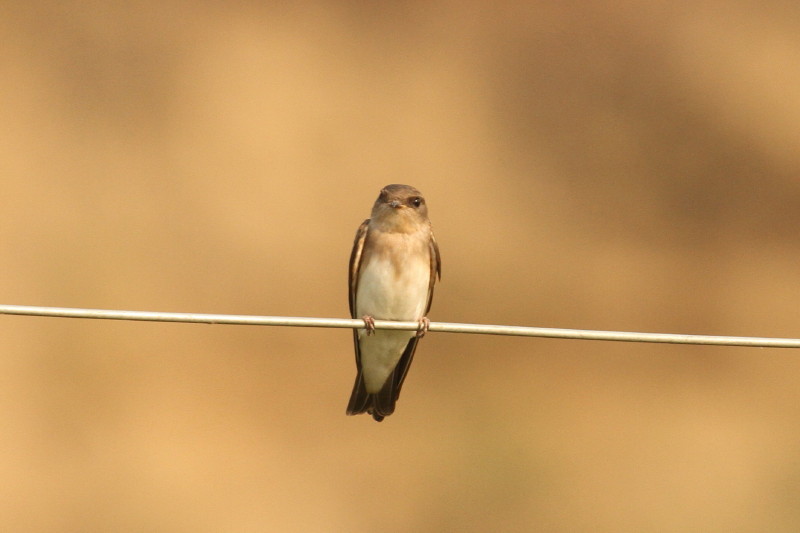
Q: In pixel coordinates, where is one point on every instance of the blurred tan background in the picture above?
(603, 165)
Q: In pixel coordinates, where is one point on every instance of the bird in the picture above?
(393, 267)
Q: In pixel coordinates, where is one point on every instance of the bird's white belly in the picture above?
(380, 353)
(385, 293)
(390, 293)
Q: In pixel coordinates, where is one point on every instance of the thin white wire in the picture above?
(485, 329)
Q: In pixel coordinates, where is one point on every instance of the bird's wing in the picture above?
(436, 270)
(355, 264)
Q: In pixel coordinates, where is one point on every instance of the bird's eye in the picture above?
(416, 201)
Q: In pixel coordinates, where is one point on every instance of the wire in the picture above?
(445, 327)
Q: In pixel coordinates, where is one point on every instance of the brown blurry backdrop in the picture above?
(604, 165)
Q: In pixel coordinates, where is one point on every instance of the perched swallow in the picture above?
(393, 266)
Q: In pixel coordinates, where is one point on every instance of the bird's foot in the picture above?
(424, 324)
(369, 324)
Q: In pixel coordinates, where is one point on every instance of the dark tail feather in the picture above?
(359, 399)
(378, 405)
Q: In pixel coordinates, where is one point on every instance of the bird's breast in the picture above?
(394, 277)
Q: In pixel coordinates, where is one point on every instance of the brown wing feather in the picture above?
(436, 270)
(359, 399)
(355, 264)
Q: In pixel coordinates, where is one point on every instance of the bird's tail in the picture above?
(379, 405)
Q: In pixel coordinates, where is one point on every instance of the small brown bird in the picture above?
(393, 266)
